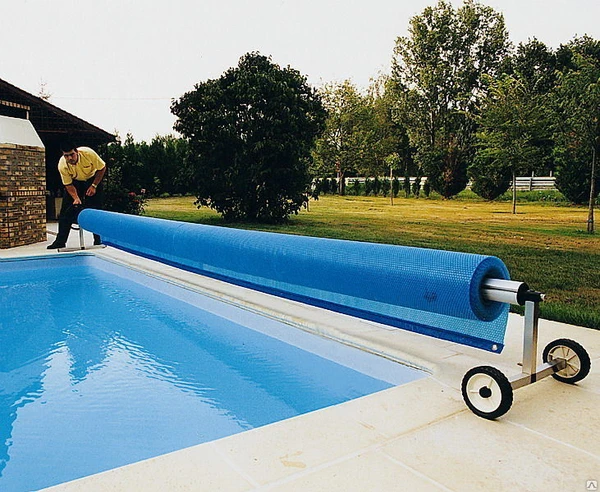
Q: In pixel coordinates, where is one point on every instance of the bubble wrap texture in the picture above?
(428, 291)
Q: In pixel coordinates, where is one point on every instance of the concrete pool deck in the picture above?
(419, 436)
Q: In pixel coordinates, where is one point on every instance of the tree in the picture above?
(534, 64)
(438, 72)
(388, 138)
(512, 121)
(43, 92)
(573, 169)
(157, 168)
(392, 161)
(344, 143)
(567, 55)
(128, 155)
(120, 195)
(578, 125)
(166, 165)
(406, 185)
(250, 136)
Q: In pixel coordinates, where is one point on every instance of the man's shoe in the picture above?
(55, 245)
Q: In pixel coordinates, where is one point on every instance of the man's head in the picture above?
(69, 152)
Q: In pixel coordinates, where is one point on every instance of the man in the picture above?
(81, 171)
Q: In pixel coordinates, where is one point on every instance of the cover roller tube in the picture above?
(441, 282)
(434, 292)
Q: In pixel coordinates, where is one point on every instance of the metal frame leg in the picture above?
(82, 245)
(530, 372)
(530, 337)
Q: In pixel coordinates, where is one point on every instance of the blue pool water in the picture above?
(101, 366)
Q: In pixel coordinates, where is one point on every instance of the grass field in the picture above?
(544, 244)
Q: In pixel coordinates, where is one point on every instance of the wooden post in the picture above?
(590, 221)
(391, 185)
(531, 181)
(514, 193)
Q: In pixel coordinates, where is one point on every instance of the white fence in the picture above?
(534, 183)
(524, 183)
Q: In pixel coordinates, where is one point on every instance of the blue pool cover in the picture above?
(437, 293)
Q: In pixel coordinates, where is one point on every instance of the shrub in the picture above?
(333, 187)
(406, 186)
(395, 186)
(117, 198)
(446, 170)
(355, 187)
(573, 176)
(126, 202)
(385, 187)
(376, 186)
(427, 189)
(491, 186)
(416, 187)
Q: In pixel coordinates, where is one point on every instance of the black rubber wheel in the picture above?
(578, 360)
(487, 392)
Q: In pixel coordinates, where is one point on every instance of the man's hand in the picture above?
(91, 191)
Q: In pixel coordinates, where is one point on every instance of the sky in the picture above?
(118, 63)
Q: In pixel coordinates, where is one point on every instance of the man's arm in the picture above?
(71, 190)
(91, 191)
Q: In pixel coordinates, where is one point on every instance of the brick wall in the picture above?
(22, 195)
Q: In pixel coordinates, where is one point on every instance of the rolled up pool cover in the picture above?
(437, 293)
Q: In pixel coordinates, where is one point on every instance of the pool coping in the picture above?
(379, 442)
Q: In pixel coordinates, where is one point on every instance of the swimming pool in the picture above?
(102, 365)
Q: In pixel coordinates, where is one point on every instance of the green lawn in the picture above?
(544, 244)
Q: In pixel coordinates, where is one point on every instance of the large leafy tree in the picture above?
(391, 146)
(165, 169)
(345, 144)
(438, 72)
(360, 132)
(122, 189)
(568, 55)
(534, 64)
(512, 123)
(157, 168)
(250, 136)
(577, 104)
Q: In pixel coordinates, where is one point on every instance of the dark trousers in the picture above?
(69, 212)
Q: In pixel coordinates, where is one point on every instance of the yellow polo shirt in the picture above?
(89, 162)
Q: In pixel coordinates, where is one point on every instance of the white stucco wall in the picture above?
(19, 132)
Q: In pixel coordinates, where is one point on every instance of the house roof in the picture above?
(49, 121)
